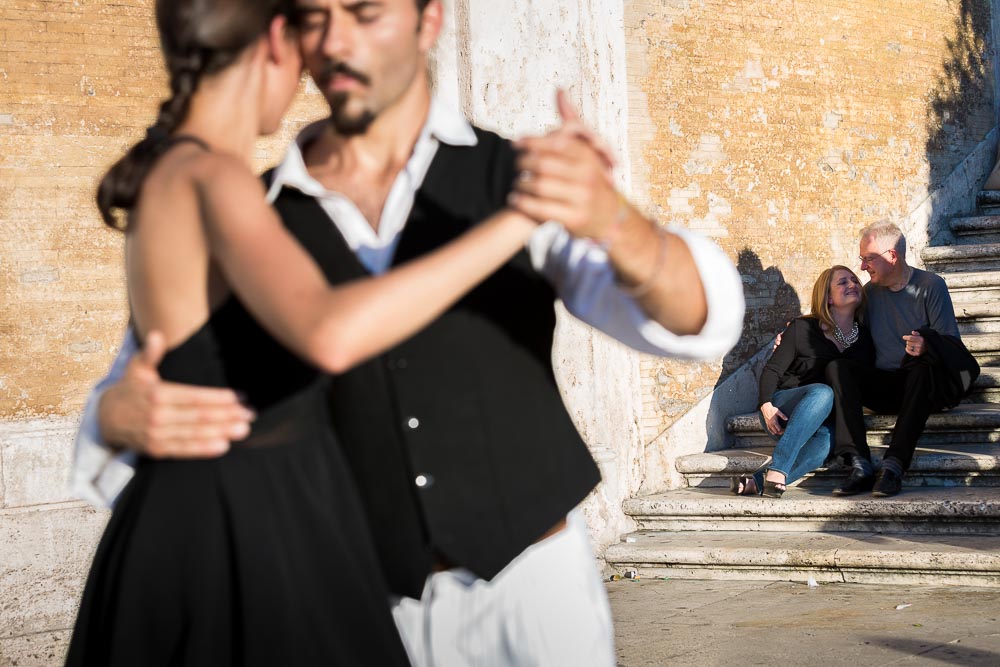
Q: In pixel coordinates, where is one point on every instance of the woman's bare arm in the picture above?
(336, 327)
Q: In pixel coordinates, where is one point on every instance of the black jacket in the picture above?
(955, 368)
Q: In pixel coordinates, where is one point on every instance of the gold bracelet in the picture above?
(661, 261)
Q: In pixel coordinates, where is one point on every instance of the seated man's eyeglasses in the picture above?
(868, 259)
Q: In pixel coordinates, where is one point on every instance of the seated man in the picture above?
(901, 301)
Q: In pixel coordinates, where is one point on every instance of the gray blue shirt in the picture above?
(923, 302)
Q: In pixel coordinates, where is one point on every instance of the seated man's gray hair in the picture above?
(887, 235)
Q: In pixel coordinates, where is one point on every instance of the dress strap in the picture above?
(181, 138)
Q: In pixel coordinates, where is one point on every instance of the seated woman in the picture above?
(794, 402)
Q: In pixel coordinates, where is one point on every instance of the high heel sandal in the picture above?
(740, 485)
(772, 489)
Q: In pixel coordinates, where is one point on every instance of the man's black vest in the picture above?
(459, 441)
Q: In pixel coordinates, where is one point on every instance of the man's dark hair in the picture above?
(422, 4)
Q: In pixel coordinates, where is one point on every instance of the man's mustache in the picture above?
(333, 68)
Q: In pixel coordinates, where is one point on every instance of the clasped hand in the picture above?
(566, 176)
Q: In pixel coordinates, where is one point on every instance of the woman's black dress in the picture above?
(259, 557)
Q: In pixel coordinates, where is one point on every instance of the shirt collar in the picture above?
(444, 125)
(448, 126)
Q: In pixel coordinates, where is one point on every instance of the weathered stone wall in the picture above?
(505, 79)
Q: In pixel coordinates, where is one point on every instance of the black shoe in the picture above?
(887, 483)
(857, 482)
(741, 486)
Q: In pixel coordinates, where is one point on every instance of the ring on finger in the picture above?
(524, 176)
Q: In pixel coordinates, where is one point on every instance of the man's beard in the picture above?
(344, 123)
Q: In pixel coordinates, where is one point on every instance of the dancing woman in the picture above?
(260, 556)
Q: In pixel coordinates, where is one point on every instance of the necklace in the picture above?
(849, 339)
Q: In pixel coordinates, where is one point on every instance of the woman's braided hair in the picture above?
(198, 38)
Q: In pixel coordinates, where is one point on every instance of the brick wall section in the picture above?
(781, 128)
(79, 82)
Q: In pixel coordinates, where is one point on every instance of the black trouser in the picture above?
(907, 392)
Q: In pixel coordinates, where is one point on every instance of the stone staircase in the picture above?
(944, 528)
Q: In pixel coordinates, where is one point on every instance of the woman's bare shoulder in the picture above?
(167, 191)
(175, 173)
(215, 170)
(230, 195)
(190, 176)
(188, 165)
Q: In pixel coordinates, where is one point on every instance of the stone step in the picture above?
(855, 557)
(968, 326)
(923, 511)
(977, 229)
(978, 311)
(973, 286)
(987, 386)
(985, 347)
(988, 201)
(960, 258)
(967, 424)
(945, 465)
(978, 316)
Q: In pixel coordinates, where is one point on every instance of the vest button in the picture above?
(424, 481)
(413, 423)
(401, 363)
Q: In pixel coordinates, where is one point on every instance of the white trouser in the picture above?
(548, 607)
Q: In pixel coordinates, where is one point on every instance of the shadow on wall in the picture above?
(960, 109)
(771, 303)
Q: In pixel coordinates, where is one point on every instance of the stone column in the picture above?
(502, 67)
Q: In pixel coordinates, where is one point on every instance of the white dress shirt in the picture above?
(577, 268)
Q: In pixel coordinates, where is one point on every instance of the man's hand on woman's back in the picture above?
(777, 339)
(162, 419)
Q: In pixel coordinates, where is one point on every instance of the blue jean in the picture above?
(805, 444)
